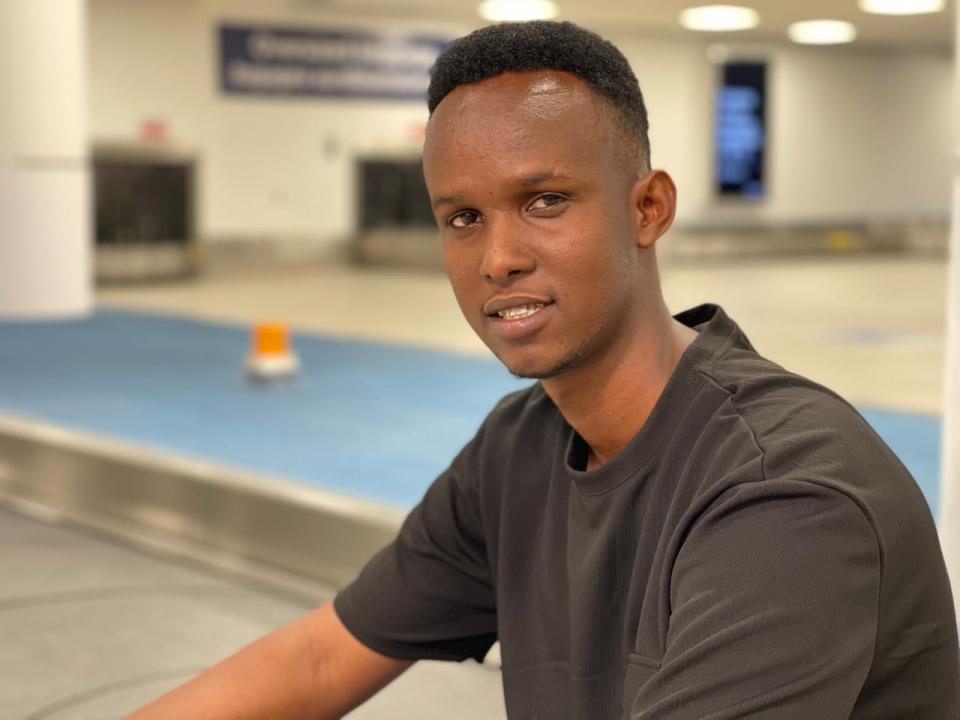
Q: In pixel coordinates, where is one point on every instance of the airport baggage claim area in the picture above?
(230, 361)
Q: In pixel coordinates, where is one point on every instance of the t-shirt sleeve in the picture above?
(429, 595)
(774, 598)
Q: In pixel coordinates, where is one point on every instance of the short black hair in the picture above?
(544, 45)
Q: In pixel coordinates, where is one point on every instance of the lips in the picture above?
(497, 305)
(517, 317)
(520, 311)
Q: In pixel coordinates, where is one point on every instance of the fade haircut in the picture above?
(546, 45)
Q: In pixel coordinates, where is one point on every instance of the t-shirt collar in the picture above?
(714, 332)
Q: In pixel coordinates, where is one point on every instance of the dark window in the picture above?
(392, 194)
(140, 202)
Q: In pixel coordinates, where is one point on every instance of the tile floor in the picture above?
(91, 629)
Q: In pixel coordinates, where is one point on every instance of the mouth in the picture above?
(518, 312)
(519, 318)
(515, 306)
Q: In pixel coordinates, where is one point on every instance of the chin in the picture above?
(528, 368)
(539, 368)
(533, 373)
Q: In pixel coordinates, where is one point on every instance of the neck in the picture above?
(608, 401)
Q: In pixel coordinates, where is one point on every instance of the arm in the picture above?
(773, 609)
(312, 667)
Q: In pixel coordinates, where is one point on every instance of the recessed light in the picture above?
(517, 10)
(901, 7)
(822, 32)
(719, 18)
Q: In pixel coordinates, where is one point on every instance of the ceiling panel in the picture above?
(933, 31)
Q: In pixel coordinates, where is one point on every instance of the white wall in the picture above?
(854, 134)
(277, 168)
(950, 475)
(859, 135)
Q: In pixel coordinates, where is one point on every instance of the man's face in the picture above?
(536, 218)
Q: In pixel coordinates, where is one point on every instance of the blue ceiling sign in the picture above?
(297, 62)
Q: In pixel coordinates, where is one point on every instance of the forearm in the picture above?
(310, 668)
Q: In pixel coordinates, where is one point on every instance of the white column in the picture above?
(950, 480)
(45, 216)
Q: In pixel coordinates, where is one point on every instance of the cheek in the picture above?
(595, 256)
(462, 274)
(597, 270)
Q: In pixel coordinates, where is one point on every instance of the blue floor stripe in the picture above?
(916, 439)
(368, 419)
(364, 418)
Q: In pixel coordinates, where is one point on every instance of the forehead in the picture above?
(539, 117)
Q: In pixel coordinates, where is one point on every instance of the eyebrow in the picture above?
(447, 200)
(524, 182)
(540, 178)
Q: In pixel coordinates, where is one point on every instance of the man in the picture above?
(666, 525)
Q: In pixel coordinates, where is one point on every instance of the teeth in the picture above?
(520, 311)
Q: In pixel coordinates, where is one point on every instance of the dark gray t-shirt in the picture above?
(756, 551)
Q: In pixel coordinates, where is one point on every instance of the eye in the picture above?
(463, 219)
(546, 201)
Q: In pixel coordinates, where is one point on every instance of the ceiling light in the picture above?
(901, 7)
(719, 18)
(822, 32)
(517, 10)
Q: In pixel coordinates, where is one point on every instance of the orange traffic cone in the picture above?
(271, 354)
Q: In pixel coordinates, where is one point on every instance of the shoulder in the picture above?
(794, 426)
(520, 405)
(805, 432)
(775, 435)
(524, 413)
(523, 419)
(762, 423)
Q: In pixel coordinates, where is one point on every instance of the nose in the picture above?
(505, 255)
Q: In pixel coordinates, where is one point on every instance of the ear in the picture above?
(654, 199)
